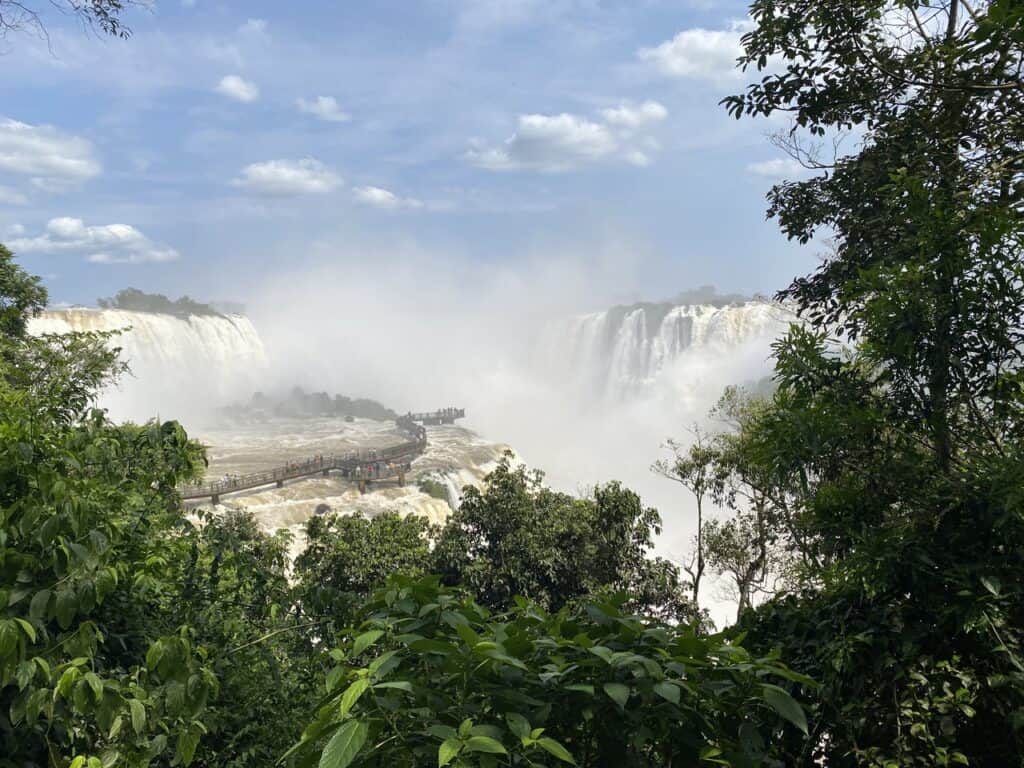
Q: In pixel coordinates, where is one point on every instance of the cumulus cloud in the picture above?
(238, 88)
(703, 54)
(548, 143)
(379, 197)
(324, 107)
(627, 116)
(106, 244)
(47, 157)
(288, 177)
(565, 142)
(777, 168)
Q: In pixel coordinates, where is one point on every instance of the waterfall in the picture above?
(631, 351)
(181, 367)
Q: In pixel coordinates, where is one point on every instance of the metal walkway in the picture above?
(362, 466)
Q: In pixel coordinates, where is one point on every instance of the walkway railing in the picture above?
(362, 466)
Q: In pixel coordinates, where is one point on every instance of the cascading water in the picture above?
(181, 367)
(629, 352)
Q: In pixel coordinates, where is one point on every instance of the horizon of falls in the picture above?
(629, 352)
(180, 367)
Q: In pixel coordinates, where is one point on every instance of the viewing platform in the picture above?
(443, 416)
(363, 467)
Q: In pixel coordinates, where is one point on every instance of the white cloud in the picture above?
(627, 116)
(382, 198)
(10, 196)
(549, 143)
(106, 244)
(237, 88)
(565, 142)
(777, 168)
(50, 158)
(706, 54)
(14, 230)
(288, 177)
(324, 107)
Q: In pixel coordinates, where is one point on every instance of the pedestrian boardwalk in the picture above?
(363, 466)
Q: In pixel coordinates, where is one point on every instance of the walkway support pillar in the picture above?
(215, 499)
(280, 483)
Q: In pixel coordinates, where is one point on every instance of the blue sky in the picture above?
(228, 141)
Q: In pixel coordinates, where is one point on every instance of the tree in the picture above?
(517, 537)
(926, 219)
(428, 676)
(691, 468)
(348, 556)
(901, 455)
(91, 666)
(233, 591)
(16, 16)
(22, 296)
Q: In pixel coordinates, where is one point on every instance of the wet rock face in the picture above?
(322, 509)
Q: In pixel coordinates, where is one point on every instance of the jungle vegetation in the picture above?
(869, 507)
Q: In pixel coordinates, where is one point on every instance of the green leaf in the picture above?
(552, 747)
(365, 640)
(334, 678)
(992, 584)
(618, 693)
(66, 607)
(37, 606)
(344, 745)
(154, 654)
(27, 628)
(785, 705)
(667, 691)
(185, 750)
(581, 687)
(447, 751)
(442, 732)
(352, 694)
(518, 724)
(95, 683)
(138, 712)
(485, 744)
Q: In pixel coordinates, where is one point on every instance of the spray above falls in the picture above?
(181, 366)
(633, 351)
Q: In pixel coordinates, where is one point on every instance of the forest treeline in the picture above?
(869, 509)
(134, 300)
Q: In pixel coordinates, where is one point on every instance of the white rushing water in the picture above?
(594, 399)
(629, 352)
(187, 367)
(455, 457)
(181, 367)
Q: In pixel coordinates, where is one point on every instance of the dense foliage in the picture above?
(889, 472)
(134, 300)
(298, 403)
(433, 678)
(516, 537)
(878, 489)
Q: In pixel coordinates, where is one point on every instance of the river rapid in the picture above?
(455, 457)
